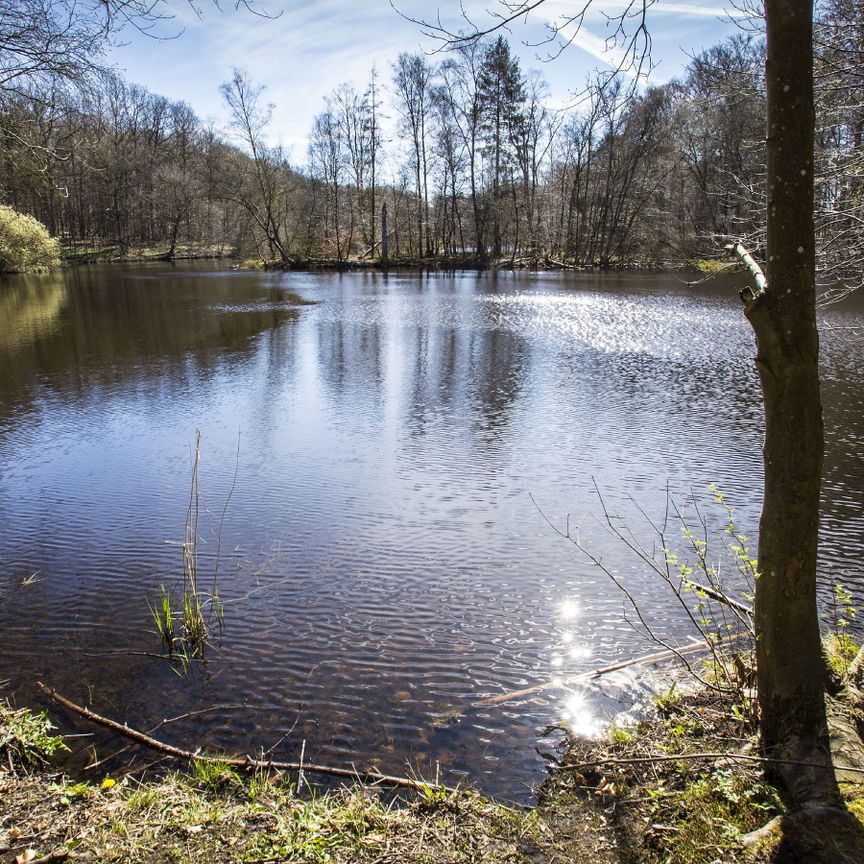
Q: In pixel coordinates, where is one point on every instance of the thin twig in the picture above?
(574, 539)
(141, 654)
(163, 722)
(691, 757)
(222, 518)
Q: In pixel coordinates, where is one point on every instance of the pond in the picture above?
(388, 457)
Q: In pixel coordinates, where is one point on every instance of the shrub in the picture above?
(25, 244)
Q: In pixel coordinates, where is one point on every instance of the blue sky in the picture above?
(311, 47)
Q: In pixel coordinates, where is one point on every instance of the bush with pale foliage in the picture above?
(25, 244)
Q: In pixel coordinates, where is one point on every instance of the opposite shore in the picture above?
(115, 253)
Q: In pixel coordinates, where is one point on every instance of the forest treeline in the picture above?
(480, 164)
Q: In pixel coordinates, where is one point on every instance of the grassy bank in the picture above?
(601, 803)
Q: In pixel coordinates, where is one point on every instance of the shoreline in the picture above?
(684, 787)
(115, 254)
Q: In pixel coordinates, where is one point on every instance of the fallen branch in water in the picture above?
(164, 721)
(371, 778)
(659, 657)
(153, 654)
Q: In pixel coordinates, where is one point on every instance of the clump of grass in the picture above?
(667, 701)
(163, 617)
(215, 776)
(620, 734)
(69, 792)
(194, 627)
(711, 815)
(189, 640)
(26, 741)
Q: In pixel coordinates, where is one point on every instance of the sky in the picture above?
(306, 49)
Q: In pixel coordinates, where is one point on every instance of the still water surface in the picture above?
(384, 568)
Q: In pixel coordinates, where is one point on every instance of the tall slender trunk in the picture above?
(791, 668)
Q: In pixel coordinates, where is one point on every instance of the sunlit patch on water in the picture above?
(659, 326)
(569, 609)
(264, 306)
(579, 717)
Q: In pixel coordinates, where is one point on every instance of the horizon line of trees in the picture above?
(482, 164)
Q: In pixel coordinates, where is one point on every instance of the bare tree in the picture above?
(260, 189)
(327, 164)
(839, 59)
(373, 130)
(451, 161)
(461, 91)
(412, 76)
(66, 38)
(177, 175)
(722, 137)
(532, 135)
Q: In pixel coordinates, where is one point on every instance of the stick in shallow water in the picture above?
(372, 778)
(659, 657)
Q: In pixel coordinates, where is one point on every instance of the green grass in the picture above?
(26, 739)
(214, 775)
(720, 806)
(163, 616)
(213, 815)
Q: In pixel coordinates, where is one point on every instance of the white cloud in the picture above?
(305, 53)
(564, 9)
(691, 9)
(599, 48)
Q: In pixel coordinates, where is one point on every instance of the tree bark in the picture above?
(790, 665)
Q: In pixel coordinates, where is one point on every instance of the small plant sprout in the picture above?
(163, 616)
(841, 645)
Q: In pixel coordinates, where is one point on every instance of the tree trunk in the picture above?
(791, 669)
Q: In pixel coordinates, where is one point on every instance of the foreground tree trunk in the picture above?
(791, 669)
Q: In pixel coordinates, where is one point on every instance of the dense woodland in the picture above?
(481, 164)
